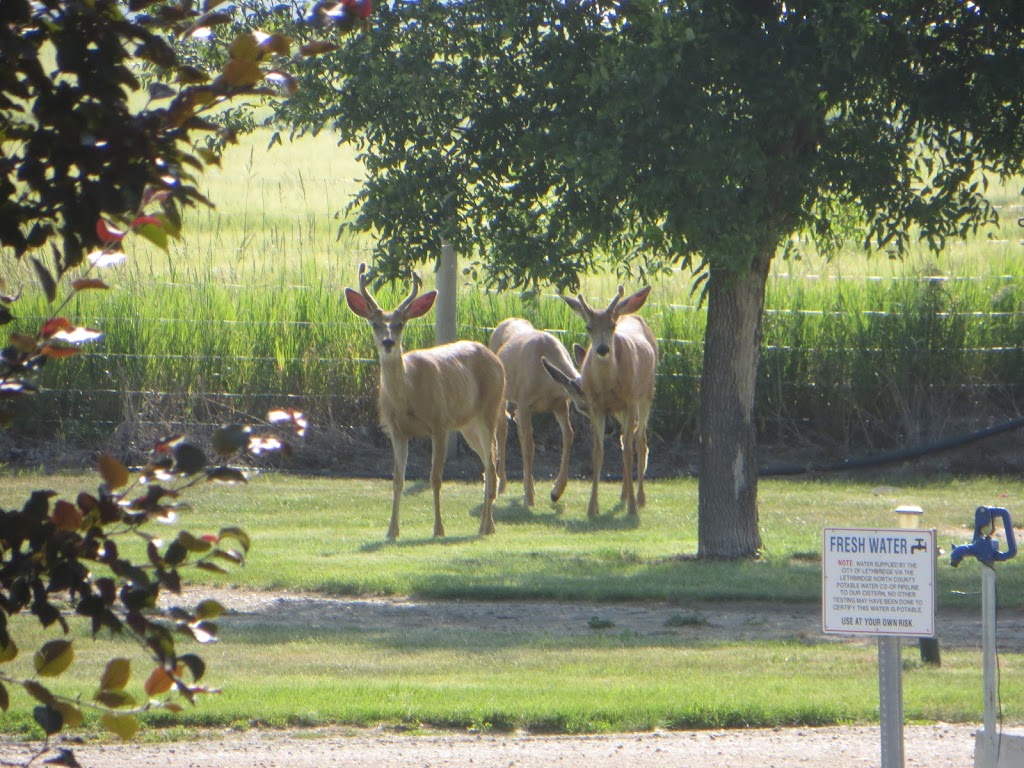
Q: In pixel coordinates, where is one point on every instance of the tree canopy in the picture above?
(547, 140)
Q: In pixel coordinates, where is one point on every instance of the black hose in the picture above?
(890, 457)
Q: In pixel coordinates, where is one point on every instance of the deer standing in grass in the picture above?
(427, 392)
(616, 378)
(521, 348)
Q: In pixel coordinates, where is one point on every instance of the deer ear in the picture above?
(579, 353)
(633, 303)
(357, 303)
(421, 305)
(571, 385)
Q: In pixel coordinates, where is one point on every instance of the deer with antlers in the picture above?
(521, 348)
(427, 392)
(616, 378)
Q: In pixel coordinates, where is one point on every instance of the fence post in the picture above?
(445, 328)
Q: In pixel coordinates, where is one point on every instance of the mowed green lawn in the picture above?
(327, 535)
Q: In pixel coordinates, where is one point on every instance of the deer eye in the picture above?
(397, 327)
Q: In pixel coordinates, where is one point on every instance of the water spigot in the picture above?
(984, 547)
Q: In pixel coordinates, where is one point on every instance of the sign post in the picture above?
(881, 581)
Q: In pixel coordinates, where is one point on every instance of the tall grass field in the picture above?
(245, 313)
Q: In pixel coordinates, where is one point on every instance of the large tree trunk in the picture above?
(727, 523)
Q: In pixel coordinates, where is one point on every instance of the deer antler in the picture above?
(616, 300)
(583, 303)
(416, 282)
(362, 289)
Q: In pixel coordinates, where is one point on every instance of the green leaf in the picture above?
(124, 726)
(53, 658)
(9, 651)
(193, 543)
(231, 438)
(237, 534)
(38, 692)
(71, 715)
(209, 609)
(116, 675)
(49, 719)
(115, 699)
(154, 234)
(189, 459)
(196, 666)
(227, 475)
(206, 565)
(45, 280)
(175, 554)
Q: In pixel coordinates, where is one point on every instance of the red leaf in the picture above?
(107, 233)
(66, 516)
(142, 220)
(360, 8)
(317, 47)
(53, 326)
(85, 283)
(58, 353)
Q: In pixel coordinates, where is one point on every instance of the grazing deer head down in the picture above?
(427, 392)
(523, 350)
(616, 378)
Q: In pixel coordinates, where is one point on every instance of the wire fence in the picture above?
(864, 379)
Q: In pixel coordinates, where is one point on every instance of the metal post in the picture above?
(910, 517)
(890, 701)
(990, 736)
(445, 327)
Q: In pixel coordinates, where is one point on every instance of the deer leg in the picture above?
(597, 421)
(524, 420)
(439, 446)
(562, 416)
(641, 452)
(400, 451)
(628, 439)
(502, 437)
(480, 437)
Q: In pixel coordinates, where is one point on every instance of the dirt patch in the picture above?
(699, 621)
(938, 745)
(932, 746)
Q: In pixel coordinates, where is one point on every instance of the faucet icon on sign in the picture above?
(919, 547)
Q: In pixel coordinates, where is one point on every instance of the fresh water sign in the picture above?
(878, 581)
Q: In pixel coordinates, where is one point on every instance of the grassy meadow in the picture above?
(327, 536)
(246, 313)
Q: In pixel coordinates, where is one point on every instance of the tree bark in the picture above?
(727, 522)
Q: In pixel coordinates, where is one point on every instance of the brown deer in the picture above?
(521, 348)
(616, 378)
(427, 392)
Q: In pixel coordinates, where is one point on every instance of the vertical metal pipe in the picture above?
(990, 737)
(890, 701)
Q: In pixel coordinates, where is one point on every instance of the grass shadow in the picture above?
(613, 520)
(515, 512)
(409, 543)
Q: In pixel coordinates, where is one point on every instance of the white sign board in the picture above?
(878, 581)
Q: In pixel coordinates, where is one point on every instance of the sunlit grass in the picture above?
(327, 536)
